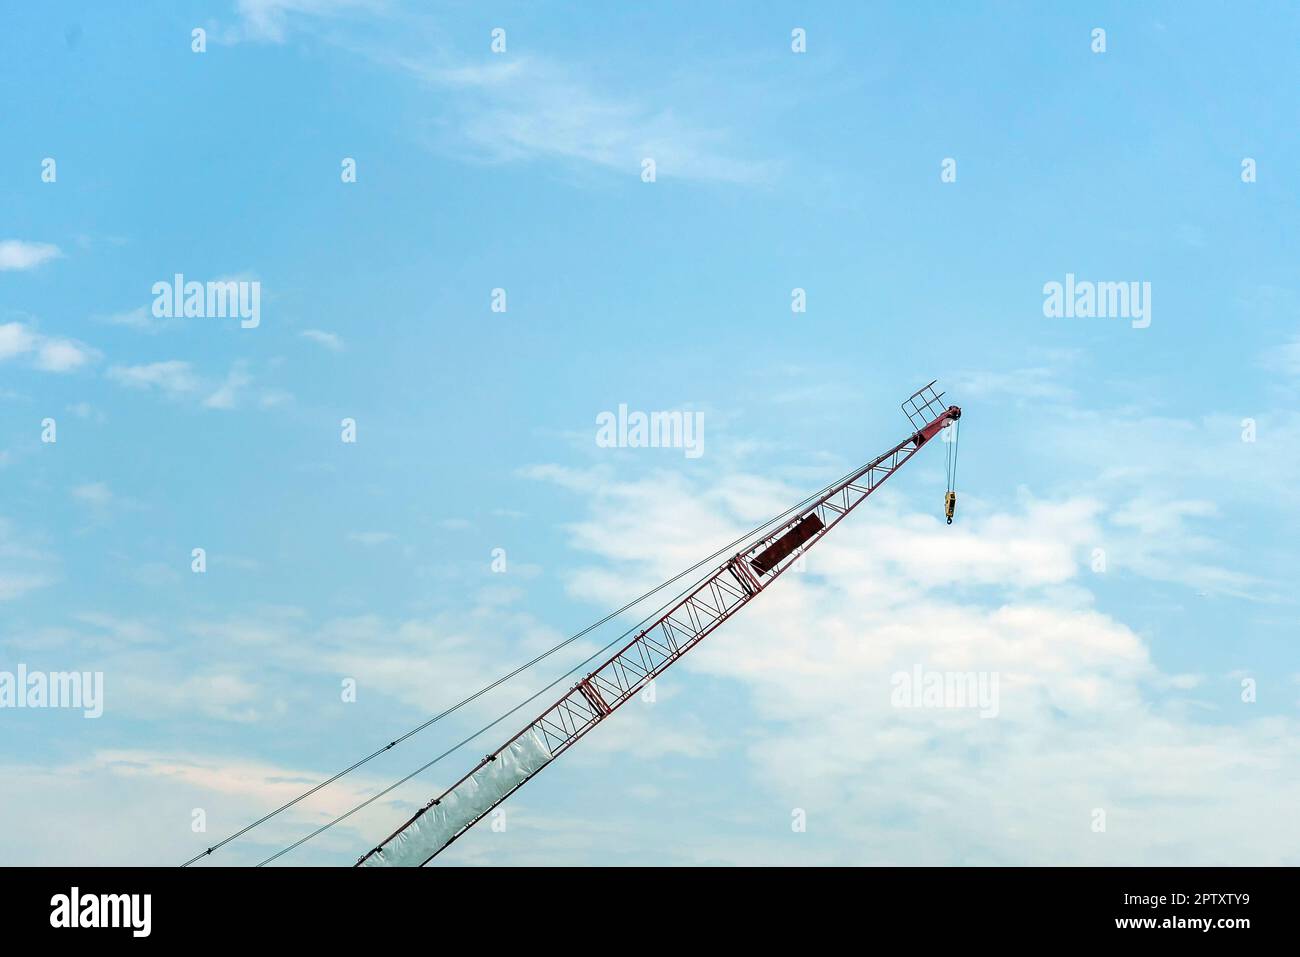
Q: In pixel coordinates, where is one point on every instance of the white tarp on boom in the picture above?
(428, 833)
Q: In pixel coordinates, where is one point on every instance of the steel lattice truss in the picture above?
(722, 593)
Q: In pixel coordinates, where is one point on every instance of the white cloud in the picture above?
(95, 494)
(427, 663)
(62, 355)
(15, 340)
(139, 318)
(114, 631)
(1160, 524)
(1036, 383)
(140, 789)
(1086, 719)
(370, 539)
(47, 353)
(529, 108)
(87, 412)
(16, 254)
(173, 377)
(176, 378)
(423, 663)
(270, 21)
(227, 395)
(23, 567)
(215, 695)
(327, 339)
(1285, 358)
(16, 584)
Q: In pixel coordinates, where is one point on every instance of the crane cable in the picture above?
(481, 731)
(533, 697)
(504, 678)
(950, 496)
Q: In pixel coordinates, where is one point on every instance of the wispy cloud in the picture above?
(371, 539)
(15, 254)
(139, 319)
(1038, 382)
(15, 339)
(270, 21)
(177, 379)
(146, 783)
(23, 568)
(880, 598)
(532, 109)
(173, 377)
(227, 395)
(87, 412)
(94, 494)
(327, 339)
(529, 108)
(62, 355)
(1285, 358)
(16, 584)
(47, 353)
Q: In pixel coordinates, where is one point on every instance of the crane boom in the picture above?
(722, 593)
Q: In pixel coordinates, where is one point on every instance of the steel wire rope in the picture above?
(504, 678)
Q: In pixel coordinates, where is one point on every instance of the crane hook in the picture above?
(950, 505)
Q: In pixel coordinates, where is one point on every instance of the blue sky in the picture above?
(776, 170)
